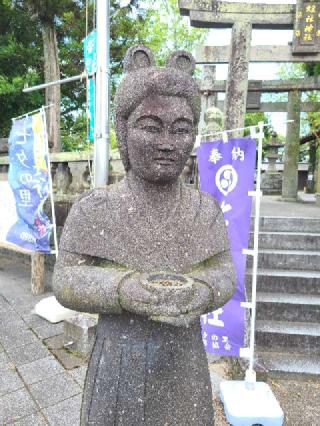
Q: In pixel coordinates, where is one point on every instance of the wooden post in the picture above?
(292, 147)
(237, 85)
(37, 273)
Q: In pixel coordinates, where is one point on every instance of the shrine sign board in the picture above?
(306, 38)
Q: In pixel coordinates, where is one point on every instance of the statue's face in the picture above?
(160, 137)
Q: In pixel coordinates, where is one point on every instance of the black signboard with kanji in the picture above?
(306, 36)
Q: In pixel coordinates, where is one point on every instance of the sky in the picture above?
(261, 71)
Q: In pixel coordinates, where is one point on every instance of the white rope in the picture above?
(222, 132)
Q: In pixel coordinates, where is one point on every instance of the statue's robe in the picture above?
(113, 224)
(141, 371)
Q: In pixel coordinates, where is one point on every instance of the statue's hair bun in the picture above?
(181, 60)
(138, 57)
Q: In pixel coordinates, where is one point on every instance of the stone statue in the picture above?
(213, 118)
(150, 255)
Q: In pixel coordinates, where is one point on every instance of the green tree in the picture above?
(20, 63)
(62, 27)
(47, 13)
(253, 118)
(167, 30)
(159, 26)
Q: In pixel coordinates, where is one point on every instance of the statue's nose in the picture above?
(165, 143)
(166, 146)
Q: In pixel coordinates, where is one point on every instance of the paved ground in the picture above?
(37, 389)
(274, 206)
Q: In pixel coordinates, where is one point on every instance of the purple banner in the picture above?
(226, 172)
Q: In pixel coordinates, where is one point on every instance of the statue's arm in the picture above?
(218, 274)
(81, 285)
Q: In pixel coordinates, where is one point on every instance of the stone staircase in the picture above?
(288, 295)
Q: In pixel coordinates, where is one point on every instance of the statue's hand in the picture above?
(199, 304)
(147, 295)
(136, 298)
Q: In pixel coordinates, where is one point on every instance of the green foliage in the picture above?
(157, 24)
(311, 120)
(20, 63)
(253, 118)
(167, 30)
(311, 68)
(74, 134)
(291, 70)
(113, 139)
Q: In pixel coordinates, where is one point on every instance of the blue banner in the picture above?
(90, 52)
(227, 173)
(29, 180)
(90, 63)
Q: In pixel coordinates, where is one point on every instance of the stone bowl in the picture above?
(168, 287)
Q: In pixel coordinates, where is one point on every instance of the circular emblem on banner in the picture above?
(226, 179)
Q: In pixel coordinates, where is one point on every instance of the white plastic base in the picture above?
(247, 407)
(51, 310)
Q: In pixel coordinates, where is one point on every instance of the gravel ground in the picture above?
(299, 398)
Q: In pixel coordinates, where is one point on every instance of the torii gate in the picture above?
(242, 18)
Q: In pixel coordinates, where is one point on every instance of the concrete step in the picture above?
(285, 281)
(292, 337)
(287, 259)
(288, 307)
(282, 364)
(291, 224)
(288, 240)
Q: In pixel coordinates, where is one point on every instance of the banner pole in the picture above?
(55, 239)
(250, 377)
(32, 112)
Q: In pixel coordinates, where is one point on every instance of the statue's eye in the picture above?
(181, 131)
(152, 129)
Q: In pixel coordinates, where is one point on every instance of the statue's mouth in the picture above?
(164, 161)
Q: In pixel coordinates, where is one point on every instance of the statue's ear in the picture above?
(182, 60)
(138, 57)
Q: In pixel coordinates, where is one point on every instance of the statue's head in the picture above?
(157, 111)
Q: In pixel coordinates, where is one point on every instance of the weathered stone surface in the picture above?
(68, 358)
(9, 379)
(150, 256)
(292, 147)
(54, 389)
(39, 370)
(222, 14)
(214, 122)
(79, 374)
(66, 413)
(16, 337)
(160, 373)
(28, 353)
(237, 85)
(221, 54)
(271, 183)
(80, 330)
(16, 405)
(34, 420)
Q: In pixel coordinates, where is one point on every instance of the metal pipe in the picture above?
(101, 151)
(54, 83)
